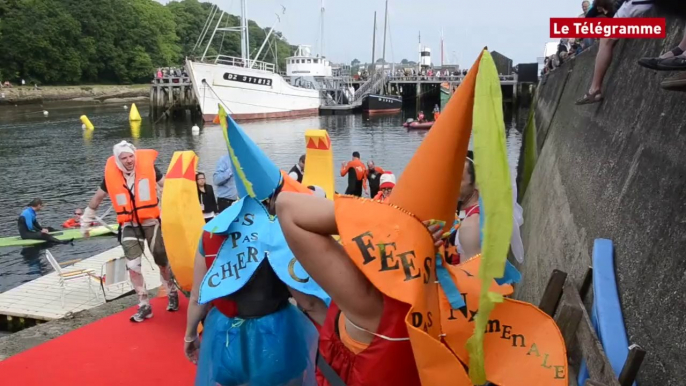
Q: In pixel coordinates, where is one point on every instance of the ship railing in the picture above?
(419, 78)
(240, 62)
(442, 78)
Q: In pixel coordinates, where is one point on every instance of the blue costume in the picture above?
(266, 348)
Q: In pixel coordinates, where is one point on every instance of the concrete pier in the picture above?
(417, 88)
(615, 170)
(172, 96)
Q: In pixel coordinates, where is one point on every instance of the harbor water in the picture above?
(52, 158)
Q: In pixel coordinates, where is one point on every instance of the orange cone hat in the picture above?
(397, 255)
(448, 137)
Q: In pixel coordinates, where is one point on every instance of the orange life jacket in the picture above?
(144, 192)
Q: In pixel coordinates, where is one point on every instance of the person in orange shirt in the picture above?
(356, 172)
(386, 186)
(373, 178)
(75, 221)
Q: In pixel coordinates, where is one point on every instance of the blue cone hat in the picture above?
(256, 175)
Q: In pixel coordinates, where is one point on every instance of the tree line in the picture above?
(114, 41)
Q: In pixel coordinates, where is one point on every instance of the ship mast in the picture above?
(245, 35)
(321, 37)
(374, 46)
(441, 47)
(385, 24)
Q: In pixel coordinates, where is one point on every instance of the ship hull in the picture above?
(249, 94)
(375, 104)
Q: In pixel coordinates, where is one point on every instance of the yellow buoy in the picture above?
(86, 122)
(133, 114)
(135, 129)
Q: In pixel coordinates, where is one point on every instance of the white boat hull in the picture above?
(249, 93)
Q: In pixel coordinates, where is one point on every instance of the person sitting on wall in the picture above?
(673, 60)
(631, 8)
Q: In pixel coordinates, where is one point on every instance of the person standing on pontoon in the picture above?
(129, 176)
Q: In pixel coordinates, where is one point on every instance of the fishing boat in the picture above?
(249, 88)
(381, 103)
(418, 126)
(374, 103)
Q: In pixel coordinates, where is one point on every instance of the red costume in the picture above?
(383, 362)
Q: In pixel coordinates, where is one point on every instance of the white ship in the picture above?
(253, 89)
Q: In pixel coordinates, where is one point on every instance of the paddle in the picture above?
(103, 223)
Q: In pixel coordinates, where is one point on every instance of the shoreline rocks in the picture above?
(95, 94)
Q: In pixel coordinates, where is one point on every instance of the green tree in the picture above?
(355, 62)
(116, 34)
(115, 41)
(39, 42)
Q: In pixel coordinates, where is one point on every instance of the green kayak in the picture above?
(60, 235)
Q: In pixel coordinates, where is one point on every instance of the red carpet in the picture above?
(111, 351)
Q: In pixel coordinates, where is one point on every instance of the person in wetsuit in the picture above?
(298, 170)
(30, 229)
(356, 172)
(373, 178)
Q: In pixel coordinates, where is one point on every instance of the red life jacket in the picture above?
(383, 362)
(211, 244)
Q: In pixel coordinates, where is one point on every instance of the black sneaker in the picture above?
(173, 304)
(144, 312)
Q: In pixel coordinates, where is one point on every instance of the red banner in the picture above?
(616, 28)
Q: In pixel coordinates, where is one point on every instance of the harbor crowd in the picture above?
(673, 59)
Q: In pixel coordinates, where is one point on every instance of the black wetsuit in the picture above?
(354, 185)
(374, 178)
(26, 234)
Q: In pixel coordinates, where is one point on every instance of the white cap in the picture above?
(387, 180)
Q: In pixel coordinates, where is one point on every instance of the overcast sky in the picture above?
(519, 29)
